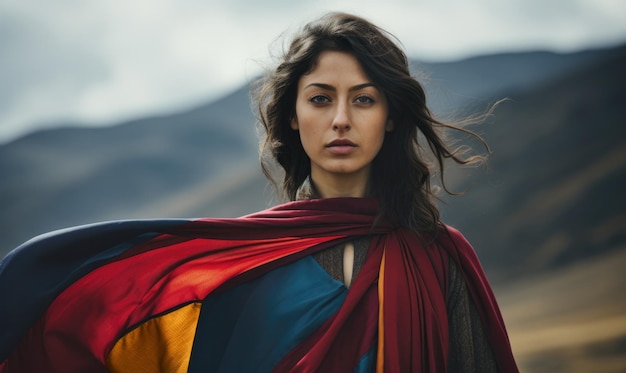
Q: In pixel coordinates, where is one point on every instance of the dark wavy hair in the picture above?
(401, 174)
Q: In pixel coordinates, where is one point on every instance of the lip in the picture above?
(340, 142)
(341, 146)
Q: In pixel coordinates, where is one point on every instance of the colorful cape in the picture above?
(198, 295)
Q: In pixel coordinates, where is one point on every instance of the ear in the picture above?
(389, 125)
(294, 124)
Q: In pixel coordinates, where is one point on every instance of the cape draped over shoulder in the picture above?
(73, 300)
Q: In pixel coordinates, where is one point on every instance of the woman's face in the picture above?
(342, 118)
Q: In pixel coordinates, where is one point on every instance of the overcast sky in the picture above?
(101, 62)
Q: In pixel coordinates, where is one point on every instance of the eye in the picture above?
(364, 100)
(319, 99)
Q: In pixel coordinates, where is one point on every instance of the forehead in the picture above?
(335, 67)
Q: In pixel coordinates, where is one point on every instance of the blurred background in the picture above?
(118, 110)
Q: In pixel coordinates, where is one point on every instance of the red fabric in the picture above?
(189, 262)
(331, 348)
(482, 295)
(415, 317)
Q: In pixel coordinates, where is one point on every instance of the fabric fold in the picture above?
(115, 277)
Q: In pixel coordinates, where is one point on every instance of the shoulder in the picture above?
(452, 236)
(452, 241)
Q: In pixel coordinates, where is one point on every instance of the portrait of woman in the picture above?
(353, 271)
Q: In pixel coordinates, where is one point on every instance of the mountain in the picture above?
(552, 192)
(457, 86)
(203, 161)
(74, 175)
(549, 221)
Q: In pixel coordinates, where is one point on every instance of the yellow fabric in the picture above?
(162, 344)
(380, 358)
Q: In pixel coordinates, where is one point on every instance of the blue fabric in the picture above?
(57, 259)
(367, 364)
(251, 327)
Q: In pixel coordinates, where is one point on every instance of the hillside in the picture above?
(549, 220)
(551, 195)
(76, 175)
(174, 165)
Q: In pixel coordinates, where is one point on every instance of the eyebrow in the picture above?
(351, 89)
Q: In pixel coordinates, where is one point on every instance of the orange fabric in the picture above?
(161, 344)
(80, 322)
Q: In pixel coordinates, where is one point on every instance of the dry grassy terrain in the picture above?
(572, 319)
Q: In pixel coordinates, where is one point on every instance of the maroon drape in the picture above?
(415, 328)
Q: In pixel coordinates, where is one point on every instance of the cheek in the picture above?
(307, 134)
(309, 126)
(379, 142)
(379, 132)
(376, 141)
(308, 137)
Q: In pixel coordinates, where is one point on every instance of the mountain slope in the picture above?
(55, 178)
(70, 176)
(552, 195)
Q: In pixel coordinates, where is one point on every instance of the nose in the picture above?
(341, 120)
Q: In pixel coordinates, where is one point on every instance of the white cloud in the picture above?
(100, 62)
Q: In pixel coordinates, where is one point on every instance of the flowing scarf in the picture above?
(73, 300)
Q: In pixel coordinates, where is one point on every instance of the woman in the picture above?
(358, 274)
(344, 90)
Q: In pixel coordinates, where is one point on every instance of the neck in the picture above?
(340, 186)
